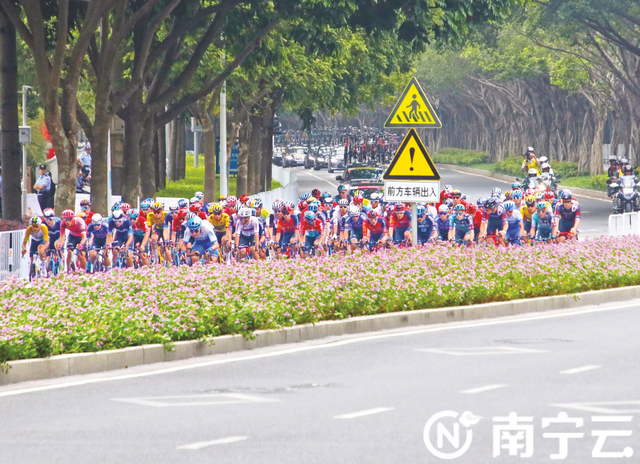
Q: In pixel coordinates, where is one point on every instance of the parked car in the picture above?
(294, 156)
(336, 160)
(277, 156)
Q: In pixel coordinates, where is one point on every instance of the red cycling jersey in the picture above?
(380, 227)
(288, 227)
(76, 228)
(140, 225)
(177, 222)
(401, 223)
(316, 226)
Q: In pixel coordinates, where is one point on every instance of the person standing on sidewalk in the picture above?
(43, 186)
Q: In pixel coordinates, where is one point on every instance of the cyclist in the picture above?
(77, 237)
(443, 224)
(39, 234)
(515, 228)
(120, 236)
(145, 207)
(374, 230)
(568, 217)
(312, 230)
(461, 229)
(204, 244)
(527, 211)
(168, 220)
(493, 221)
(543, 222)
(343, 194)
(287, 232)
(247, 234)
(97, 232)
(400, 225)
(141, 230)
(517, 198)
(220, 222)
(85, 207)
(53, 225)
(340, 216)
(425, 225)
(155, 221)
(179, 225)
(376, 204)
(353, 227)
(200, 197)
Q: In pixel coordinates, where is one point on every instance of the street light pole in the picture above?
(25, 89)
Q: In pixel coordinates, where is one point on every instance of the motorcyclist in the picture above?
(530, 161)
(613, 168)
(544, 160)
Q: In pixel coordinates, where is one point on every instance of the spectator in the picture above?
(84, 164)
(43, 186)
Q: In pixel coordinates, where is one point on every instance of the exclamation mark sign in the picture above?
(412, 152)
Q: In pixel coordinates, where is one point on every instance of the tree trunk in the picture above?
(132, 135)
(181, 154)
(162, 158)
(11, 150)
(147, 162)
(254, 162)
(243, 158)
(99, 173)
(173, 151)
(156, 156)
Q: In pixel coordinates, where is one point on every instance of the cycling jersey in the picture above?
(206, 235)
(513, 221)
(567, 215)
(547, 221)
(444, 224)
(379, 228)
(168, 219)
(464, 224)
(355, 224)
(122, 230)
(403, 222)
(54, 232)
(248, 230)
(311, 229)
(140, 226)
(221, 224)
(425, 228)
(178, 223)
(42, 235)
(526, 214)
(339, 219)
(99, 234)
(76, 228)
(288, 227)
(157, 222)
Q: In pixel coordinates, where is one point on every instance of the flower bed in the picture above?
(83, 313)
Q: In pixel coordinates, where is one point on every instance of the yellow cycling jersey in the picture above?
(42, 235)
(220, 225)
(533, 164)
(152, 220)
(526, 215)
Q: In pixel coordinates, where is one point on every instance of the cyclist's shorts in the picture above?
(309, 242)
(460, 234)
(398, 234)
(246, 241)
(201, 246)
(33, 249)
(527, 226)
(565, 226)
(220, 236)
(357, 234)
(120, 240)
(443, 234)
(544, 231)
(493, 227)
(424, 237)
(137, 239)
(286, 238)
(73, 241)
(99, 243)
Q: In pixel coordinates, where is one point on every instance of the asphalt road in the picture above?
(594, 212)
(352, 399)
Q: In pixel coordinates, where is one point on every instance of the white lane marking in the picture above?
(603, 407)
(204, 444)
(366, 412)
(329, 344)
(317, 177)
(480, 351)
(577, 370)
(484, 388)
(506, 182)
(195, 400)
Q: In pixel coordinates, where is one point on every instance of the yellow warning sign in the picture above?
(412, 161)
(413, 109)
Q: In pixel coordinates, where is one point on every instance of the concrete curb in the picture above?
(88, 363)
(494, 175)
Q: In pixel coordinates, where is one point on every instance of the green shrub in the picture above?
(512, 166)
(598, 182)
(565, 169)
(460, 157)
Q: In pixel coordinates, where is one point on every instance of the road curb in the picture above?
(88, 363)
(495, 175)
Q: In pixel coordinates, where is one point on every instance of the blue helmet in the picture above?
(509, 205)
(310, 216)
(305, 196)
(366, 208)
(146, 204)
(421, 210)
(517, 195)
(183, 203)
(194, 224)
(313, 207)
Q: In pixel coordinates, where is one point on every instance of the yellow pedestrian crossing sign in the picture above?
(412, 161)
(413, 109)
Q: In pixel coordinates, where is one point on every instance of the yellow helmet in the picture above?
(530, 200)
(215, 208)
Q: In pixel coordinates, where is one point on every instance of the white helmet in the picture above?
(244, 212)
(443, 209)
(193, 200)
(545, 166)
(543, 159)
(97, 218)
(533, 172)
(198, 195)
(354, 211)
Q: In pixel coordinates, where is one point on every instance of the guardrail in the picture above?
(12, 264)
(624, 224)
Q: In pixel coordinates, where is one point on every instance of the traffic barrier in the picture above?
(624, 224)
(12, 264)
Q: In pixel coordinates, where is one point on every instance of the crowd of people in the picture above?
(239, 229)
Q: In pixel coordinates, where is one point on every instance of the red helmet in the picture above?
(182, 212)
(195, 207)
(316, 193)
(286, 209)
(244, 198)
(372, 214)
(302, 206)
(549, 195)
(68, 214)
(231, 201)
(125, 207)
(358, 199)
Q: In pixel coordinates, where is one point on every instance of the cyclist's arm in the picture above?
(45, 236)
(26, 238)
(130, 237)
(84, 238)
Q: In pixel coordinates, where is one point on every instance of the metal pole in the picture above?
(414, 224)
(167, 144)
(109, 172)
(195, 142)
(224, 185)
(24, 151)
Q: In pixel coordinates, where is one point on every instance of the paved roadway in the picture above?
(595, 212)
(352, 399)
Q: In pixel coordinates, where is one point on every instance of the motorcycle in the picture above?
(541, 183)
(626, 198)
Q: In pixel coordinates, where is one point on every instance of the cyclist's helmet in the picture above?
(68, 214)
(244, 199)
(257, 203)
(481, 201)
(541, 206)
(456, 193)
(508, 194)
(529, 191)
(85, 203)
(232, 201)
(313, 207)
(146, 204)
(253, 211)
(549, 196)
(190, 216)
(375, 197)
(277, 206)
(496, 191)
(310, 216)
(216, 208)
(343, 202)
(35, 221)
(117, 215)
(530, 200)
(133, 214)
(316, 193)
(421, 210)
(291, 205)
(150, 200)
(539, 196)
(125, 207)
(183, 203)
(449, 203)
(182, 212)
(444, 209)
(193, 200)
(194, 207)
(545, 167)
(543, 159)
(97, 218)
(158, 206)
(371, 214)
(341, 188)
(199, 195)
(305, 196)
(354, 211)
(490, 203)
(398, 207)
(194, 224)
(517, 194)
(326, 195)
(49, 213)
(358, 199)
(448, 188)
(222, 198)
(328, 201)
(533, 172)
(303, 205)
(458, 209)
(516, 186)
(509, 205)
(116, 206)
(173, 207)
(567, 195)
(286, 209)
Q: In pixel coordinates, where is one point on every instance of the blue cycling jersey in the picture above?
(464, 224)
(514, 222)
(100, 233)
(446, 224)
(355, 224)
(124, 228)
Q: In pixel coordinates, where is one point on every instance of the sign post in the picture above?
(412, 177)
